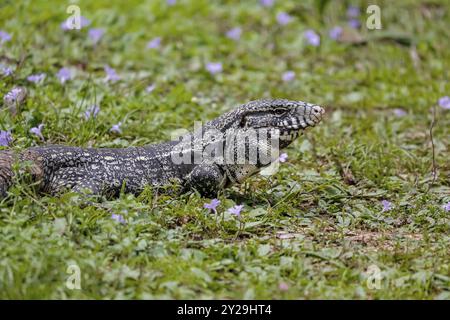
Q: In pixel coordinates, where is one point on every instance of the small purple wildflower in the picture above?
(283, 286)
(354, 23)
(7, 71)
(92, 111)
(13, 95)
(288, 76)
(335, 33)
(95, 34)
(14, 98)
(266, 3)
(5, 138)
(69, 24)
(111, 74)
(64, 74)
(4, 36)
(36, 78)
(150, 88)
(154, 43)
(446, 207)
(171, 2)
(444, 102)
(399, 112)
(236, 210)
(312, 37)
(64, 25)
(387, 205)
(212, 205)
(283, 157)
(353, 12)
(283, 18)
(234, 34)
(38, 131)
(118, 217)
(214, 67)
(116, 128)
(84, 22)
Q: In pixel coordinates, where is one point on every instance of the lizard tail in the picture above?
(7, 160)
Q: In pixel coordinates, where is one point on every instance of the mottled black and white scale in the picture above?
(102, 171)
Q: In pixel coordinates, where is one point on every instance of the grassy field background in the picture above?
(316, 229)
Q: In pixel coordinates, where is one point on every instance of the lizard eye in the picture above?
(280, 112)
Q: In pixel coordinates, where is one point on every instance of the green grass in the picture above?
(317, 225)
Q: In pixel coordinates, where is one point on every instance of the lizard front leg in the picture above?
(207, 179)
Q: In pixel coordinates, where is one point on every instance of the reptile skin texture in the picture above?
(107, 172)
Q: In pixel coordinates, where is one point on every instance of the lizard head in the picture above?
(285, 115)
(289, 118)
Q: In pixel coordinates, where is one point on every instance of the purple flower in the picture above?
(399, 112)
(283, 18)
(283, 157)
(116, 128)
(84, 21)
(354, 23)
(92, 111)
(36, 78)
(118, 217)
(150, 88)
(266, 3)
(312, 37)
(288, 76)
(335, 32)
(13, 95)
(111, 74)
(69, 24)
(5, 138)
(171, 2)
(38, 131)
(154, 43)
(96, 34)
(386, 205)
(236, 210)
(4, 36)
(283, 286)
(15, 98)
(64, 75)
(234, 34)
(444, 102)
(65, 25)
(7, 71)
(212, 205)
(353, 12)
(446, 207)
(214, 67)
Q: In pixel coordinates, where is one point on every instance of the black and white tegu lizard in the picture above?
(224, 151)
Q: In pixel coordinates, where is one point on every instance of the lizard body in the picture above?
(107, 171)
